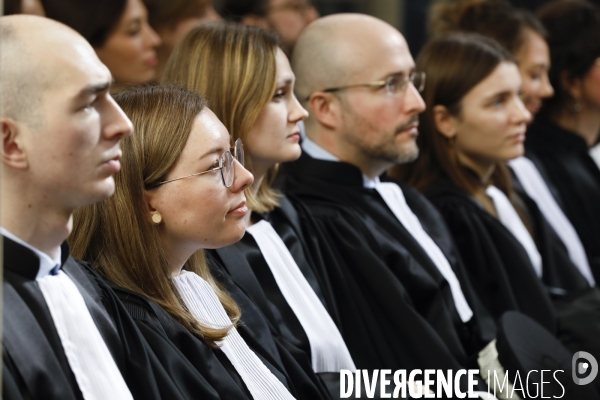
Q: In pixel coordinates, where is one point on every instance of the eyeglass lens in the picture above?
(227, 171)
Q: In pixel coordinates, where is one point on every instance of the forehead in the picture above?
(504, 78)
(380, 55)
(207, 133)
(74, 68)
(284, 70)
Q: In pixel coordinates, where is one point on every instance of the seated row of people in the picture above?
(346, 271)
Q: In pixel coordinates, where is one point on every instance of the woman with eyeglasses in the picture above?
(248, 81)
(474, 123)
(180, 191)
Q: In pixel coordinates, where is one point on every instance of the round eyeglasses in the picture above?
(394, 84)
(225, 166)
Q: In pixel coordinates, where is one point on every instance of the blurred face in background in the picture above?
(534, 63)
(130, 50)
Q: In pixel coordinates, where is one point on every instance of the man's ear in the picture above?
(255, 20)
(13, 151)
(445, 122)
(326, 109)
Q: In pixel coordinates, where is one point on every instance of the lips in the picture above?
(240, 209)
(113, 164)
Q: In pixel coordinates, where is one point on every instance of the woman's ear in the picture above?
(151, 199)
(445, 122)
(571, 85)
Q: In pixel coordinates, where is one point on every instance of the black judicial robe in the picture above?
(34, 363)
(267, 341)
(564, 157)
(497, 263)
(395, 308)
(247, 267)
(218, 377)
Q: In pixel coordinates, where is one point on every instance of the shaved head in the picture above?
(32, 56)
(344, 66)
(335, 50)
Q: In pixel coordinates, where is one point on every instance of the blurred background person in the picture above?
(119, 32)
(173, 19)
(474, 123)
(286, 17)
(524, 36)
(32, 7)
(569, 122)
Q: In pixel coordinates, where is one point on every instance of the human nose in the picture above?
(296, 112)
(546, 90)
(242, 177)
(413, 102)
(152, 39)
(521, 113)
(115, 124)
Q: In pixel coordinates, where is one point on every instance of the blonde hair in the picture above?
(117, 236)
(234, 67)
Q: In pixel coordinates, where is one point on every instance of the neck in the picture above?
(351, 154)
(585, 123)
(31, 217)
(177, 254)
(254, 190)
(483, 169)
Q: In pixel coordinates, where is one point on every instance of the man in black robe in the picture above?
(61, 132)
(354, 74)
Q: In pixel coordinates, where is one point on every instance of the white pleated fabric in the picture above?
(203, 303)
(328, 350)
(511, 220)
(394, 198)
(536, 188)
(90, 360)
(595, 154)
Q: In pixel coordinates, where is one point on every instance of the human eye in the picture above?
(279, 94)
(134, 28)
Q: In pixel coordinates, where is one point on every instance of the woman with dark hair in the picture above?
(180, 191)
(525, 38)
(475, 121)
(119, 32)
(569, 123)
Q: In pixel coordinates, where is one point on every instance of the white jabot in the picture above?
(538, 190)
(46, 263)
(328, 350)
(203, 303)
(90, 360)
(511, 220)
(394, 198)
(595, 154)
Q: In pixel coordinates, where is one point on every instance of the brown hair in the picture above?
(573, 25)
(454, 65)
(497, 19)
(117, 236)
(234, 66)
(168, 13)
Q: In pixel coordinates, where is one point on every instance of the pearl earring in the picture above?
(157, 218)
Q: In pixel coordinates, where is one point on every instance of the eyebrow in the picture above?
(285, 82)
(216, 150)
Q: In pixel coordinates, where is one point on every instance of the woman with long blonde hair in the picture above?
(248, 81)
(180, 191)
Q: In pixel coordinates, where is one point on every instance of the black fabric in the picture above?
(564, 157)
(497, 263)
(257, 329)
(33, 358)
(395, 308)
(200, 371)
(247, 267)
